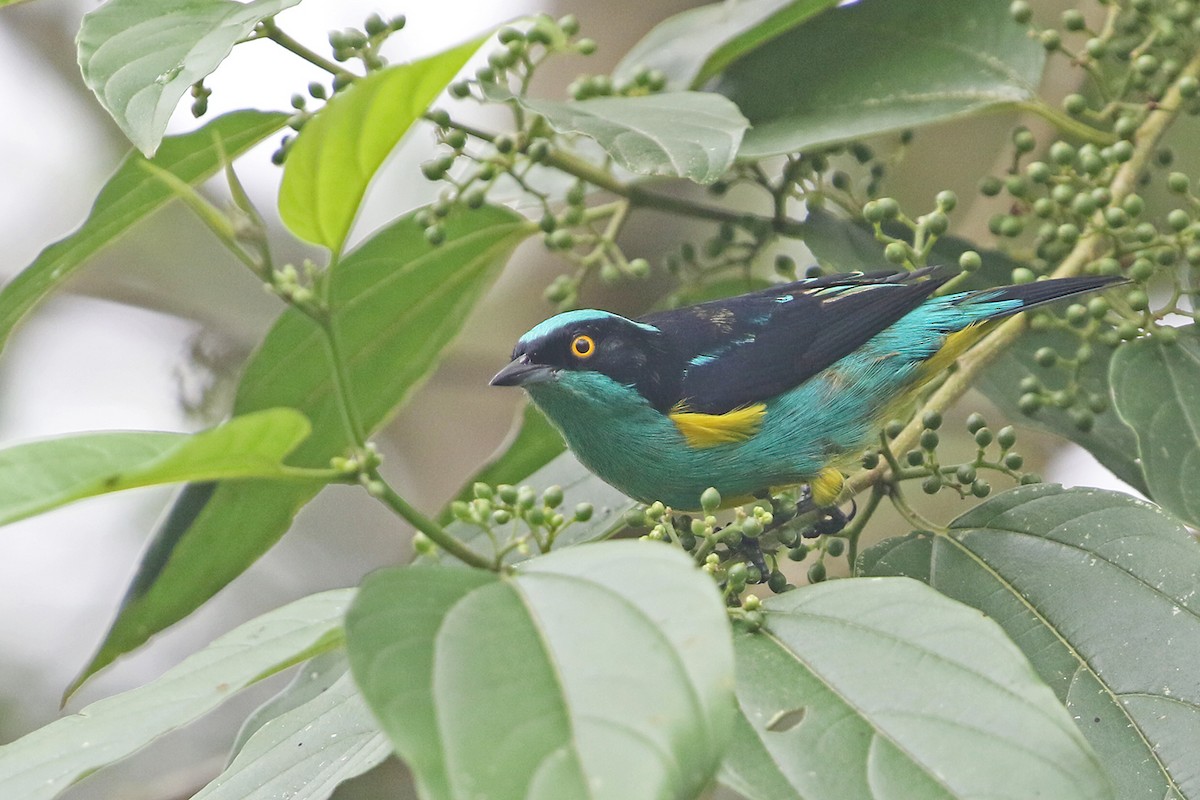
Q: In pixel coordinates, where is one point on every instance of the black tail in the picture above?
(1039, 293)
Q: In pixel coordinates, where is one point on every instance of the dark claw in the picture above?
(830, 521)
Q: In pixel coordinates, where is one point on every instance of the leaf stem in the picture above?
(1066, 124)
(380, 489)
(268, 29)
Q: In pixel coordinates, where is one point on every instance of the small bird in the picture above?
(778, 387)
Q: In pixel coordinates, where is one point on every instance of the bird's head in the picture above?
(585, 341)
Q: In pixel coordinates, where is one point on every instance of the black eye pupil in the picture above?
(582, 346)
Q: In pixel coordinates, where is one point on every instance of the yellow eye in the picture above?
(583, 346)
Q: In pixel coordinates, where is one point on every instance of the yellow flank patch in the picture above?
(826, 487)
(955, 345)
(710, 430)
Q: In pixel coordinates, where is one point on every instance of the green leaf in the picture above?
(884, 688)
(878, 66)
(44, 763)
(524, 686)
(691, 135)
(141, 56)
(841, 245)
(531, 443)
(1166, 419)
(1099, 590)
(311, 679)
(397, 302)
(40, 476)
(306, 752)
(691, 47)
(339, 150)
(129, 196)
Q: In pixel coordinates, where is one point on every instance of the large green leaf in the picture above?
(140, 56)
(691, 47)
(44, 763)
(691, 135)
(339, 150)
(1100, 591)
(40, 476)
(603, 671)
(130, 195)
(885, 689)
(397, 302)
(531, 443)
(878, 66)
(1166, 418)
(306, 751)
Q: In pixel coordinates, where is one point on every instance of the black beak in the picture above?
(521, 372)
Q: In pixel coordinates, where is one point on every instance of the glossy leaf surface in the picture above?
(40, 476)
(877, 66)
(1100, 592)
(1156, 389)
(46, 762)
(886, 689)
(692, 135)
(692, 46)
(603, 671)
(307, 751)
(141, 56)
(339, 150)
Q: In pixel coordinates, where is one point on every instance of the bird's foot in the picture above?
(830, 520)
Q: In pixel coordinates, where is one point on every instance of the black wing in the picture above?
(745, 349)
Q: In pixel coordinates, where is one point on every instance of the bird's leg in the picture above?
(830, 519)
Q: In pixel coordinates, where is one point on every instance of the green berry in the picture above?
(1178, 219)
(1188, 86)
(983, 437)
(932, 484)
(870, 459)
(1178, 182)
(1074, 104)
(1122, 151)
(798, 553)
(1039, 172)
(1133, 205)
(1023, 140)
(1023, 275)
(931, 420)
(915, 458)
(975, 422)
(1020, 11)
(710, 499)
(1050, 39)
(1030, 478)
(777, 583)
(1006, 437)
(1072, 20)
(1013, 461)
(1029, 403)
(965, 473)
(1138, 300)
(929, 440)
(970, 261)
(816, 572)
(1030, 384)
(1062, 153)
(1115, 217)
(1083, 419)
(947, 200)
(981, 488)
(1045, 357)
(835, 547)
(896, 252)
(893, 428)
(552, 497)
(990, 186)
